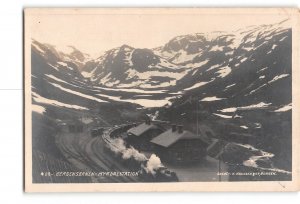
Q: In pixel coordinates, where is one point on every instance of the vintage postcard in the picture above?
(161, 99)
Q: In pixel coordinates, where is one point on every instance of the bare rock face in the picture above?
(142, 58)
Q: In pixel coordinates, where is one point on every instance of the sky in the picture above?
(94, 33)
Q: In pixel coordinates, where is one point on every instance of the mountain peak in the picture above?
(126, 47)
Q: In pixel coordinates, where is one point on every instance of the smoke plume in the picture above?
(153, 164)
(118, 146)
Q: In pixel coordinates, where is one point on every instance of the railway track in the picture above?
(113, 165)
(88, 154)
(75, 155)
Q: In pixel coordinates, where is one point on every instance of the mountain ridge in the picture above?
(201, 62)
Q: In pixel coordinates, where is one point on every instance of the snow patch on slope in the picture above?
(197, 85)
(38, 109)
(38, 48)
(213, 98)
(284, 108)
(224, 71)
(253, 106)
(140, 91)
(223, 116)
(278, 77)
(39, 99)
(78, 93)
(231, 85)
(148, 103)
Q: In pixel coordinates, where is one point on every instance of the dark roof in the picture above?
(142, 128)
(168, 137)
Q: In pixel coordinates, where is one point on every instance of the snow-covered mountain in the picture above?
(57, 81)
(65, 53)
(187, 62)
(250, 66)
(245, 66)
(127, 67)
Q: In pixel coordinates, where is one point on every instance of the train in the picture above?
(160, 174)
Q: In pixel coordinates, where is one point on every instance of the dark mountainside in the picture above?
(237, 83)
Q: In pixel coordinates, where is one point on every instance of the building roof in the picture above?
(168, 137)
(142, 128)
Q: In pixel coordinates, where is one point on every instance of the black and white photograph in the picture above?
(159, 96)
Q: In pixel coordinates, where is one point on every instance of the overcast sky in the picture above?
(94, 34)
